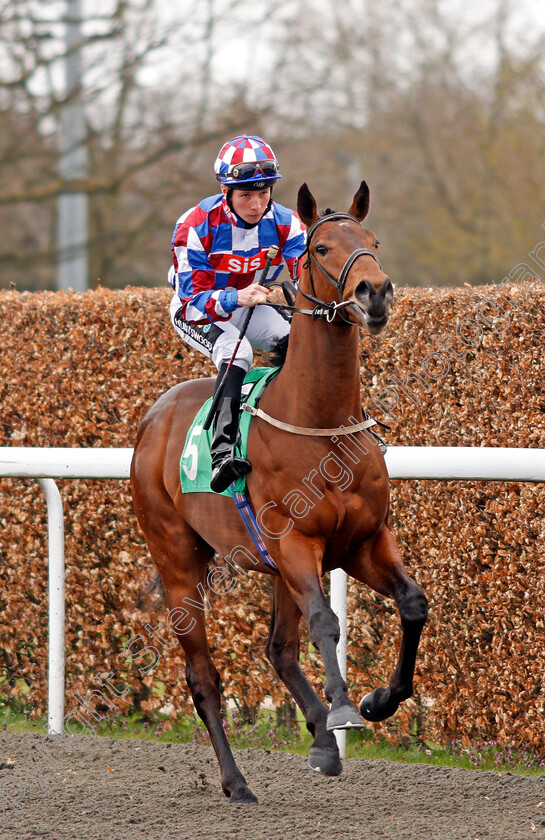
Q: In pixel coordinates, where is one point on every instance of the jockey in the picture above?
(219, 251)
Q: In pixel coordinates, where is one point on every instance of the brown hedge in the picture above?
(80, 369)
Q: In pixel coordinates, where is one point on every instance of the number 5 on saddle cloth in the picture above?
(196, 462)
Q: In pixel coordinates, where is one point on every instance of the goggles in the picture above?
(243, 171)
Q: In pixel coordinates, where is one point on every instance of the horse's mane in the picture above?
(278, 351)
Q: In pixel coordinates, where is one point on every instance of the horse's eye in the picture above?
(321, 250)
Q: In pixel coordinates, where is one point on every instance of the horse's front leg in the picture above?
(382, 569)
(282, 650)
(301, 571)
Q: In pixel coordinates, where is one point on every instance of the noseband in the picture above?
(325, 309)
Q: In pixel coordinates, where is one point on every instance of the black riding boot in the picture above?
(226, 466)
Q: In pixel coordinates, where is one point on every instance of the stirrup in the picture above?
(231, 468)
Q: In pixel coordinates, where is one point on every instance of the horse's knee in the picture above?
(323, 623)
(413, 606)
(281, 654)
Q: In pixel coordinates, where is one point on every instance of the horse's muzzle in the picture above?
(375, 304)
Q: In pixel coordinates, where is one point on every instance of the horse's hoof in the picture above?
(244, 796)
(325, 761)
(378, 705)
(346, 717)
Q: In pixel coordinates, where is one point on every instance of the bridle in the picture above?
(325, 309)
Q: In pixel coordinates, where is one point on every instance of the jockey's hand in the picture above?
(252, 295)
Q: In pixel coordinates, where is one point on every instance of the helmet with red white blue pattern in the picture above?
(246, 162)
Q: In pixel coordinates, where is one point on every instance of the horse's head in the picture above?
(345, 254)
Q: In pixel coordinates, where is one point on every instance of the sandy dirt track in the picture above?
(116, 790)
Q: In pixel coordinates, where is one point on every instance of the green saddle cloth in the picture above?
(196, 462)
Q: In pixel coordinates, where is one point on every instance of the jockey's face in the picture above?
(249, 205)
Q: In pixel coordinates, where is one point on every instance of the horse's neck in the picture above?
(320, 379)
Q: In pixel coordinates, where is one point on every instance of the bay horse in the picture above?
(344, 525)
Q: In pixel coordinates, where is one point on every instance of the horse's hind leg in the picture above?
(181, 557)
(282, 650)
(384, 572)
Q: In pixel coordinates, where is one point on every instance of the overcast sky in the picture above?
(240, 56)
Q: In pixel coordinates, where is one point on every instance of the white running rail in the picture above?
(45, 465)
(444, 463)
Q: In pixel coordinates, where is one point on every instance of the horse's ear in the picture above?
(360, 205)
(307, 208)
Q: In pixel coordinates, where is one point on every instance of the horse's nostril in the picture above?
(387, 290)
(364, 291)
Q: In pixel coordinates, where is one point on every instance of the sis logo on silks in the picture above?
(241, 265)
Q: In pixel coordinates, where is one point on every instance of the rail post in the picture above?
(56, 633)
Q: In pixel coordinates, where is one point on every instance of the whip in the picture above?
(271, 254)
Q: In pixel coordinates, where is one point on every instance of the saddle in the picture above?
(195, 461)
